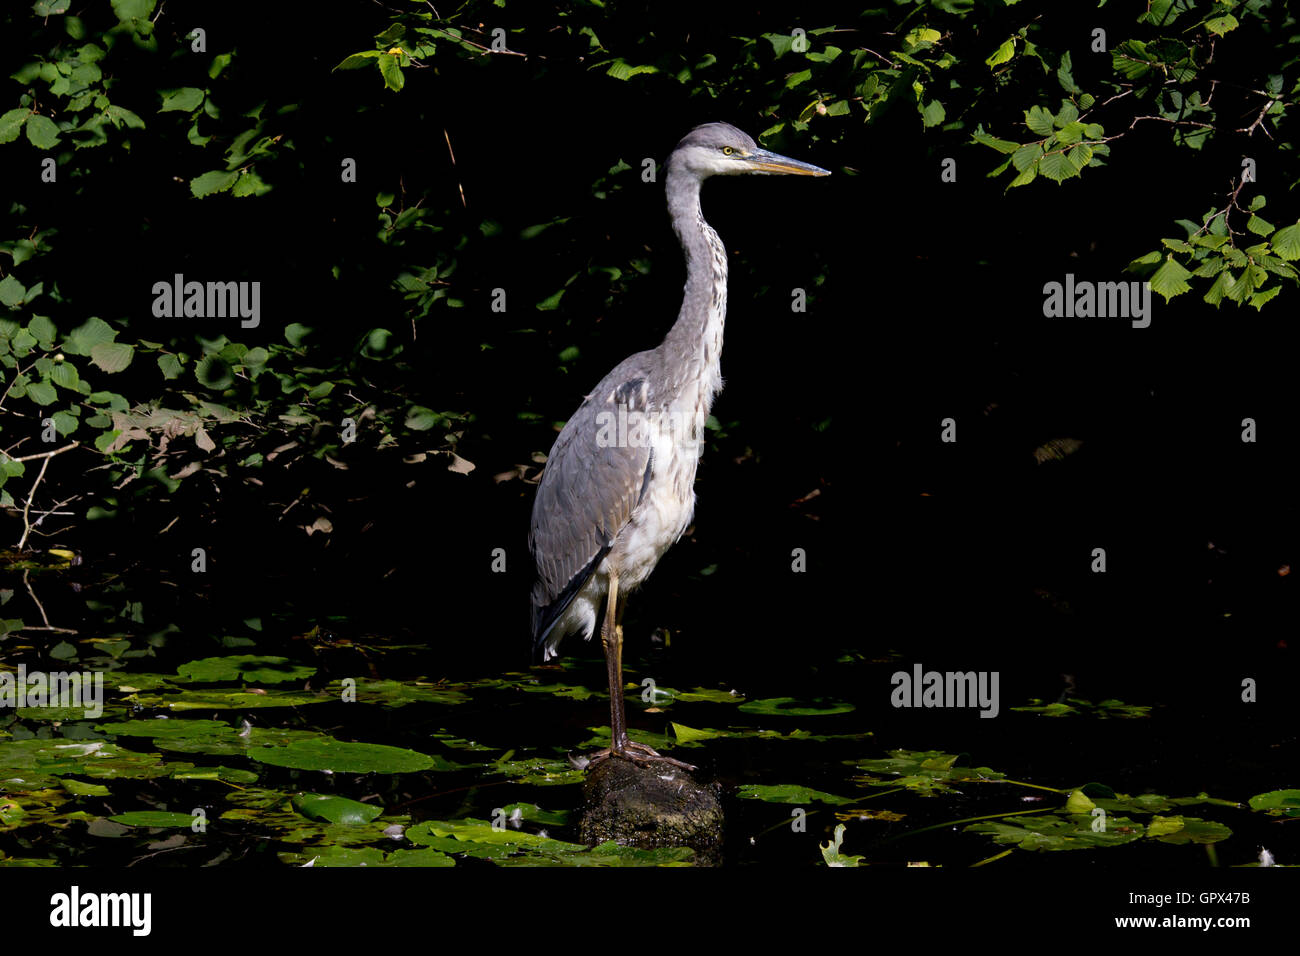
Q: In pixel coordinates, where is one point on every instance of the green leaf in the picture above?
(1259, 298)
(1001, 145)
(94, 331)
(12, 291)
(11, 122)
(1057, 167)
(254, 668)
(153, 818)
(1221, 25)
(789, 793)
(42, 132)
(1039, 121)
(186, 99)
(1170, 279)
(1259, 226)
(342, 757)
(421, 419)
(620, 69)
(212, 182)
(391, 70)
(1286, 242)
(170, 366)
(932, 114)
(335, 809)
(128, 10)
(357, 60)
(1003, 53)
(792, 707)
(1065, 76)
(112, 356)
(1221, 287)
(42, 393)
(120, 116)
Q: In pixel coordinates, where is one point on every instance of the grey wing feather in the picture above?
(588, 492)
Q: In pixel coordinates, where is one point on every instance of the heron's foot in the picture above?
(639, 754)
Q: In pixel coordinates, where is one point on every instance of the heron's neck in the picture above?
(695, 341)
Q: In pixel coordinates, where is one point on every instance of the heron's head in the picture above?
(719, 149)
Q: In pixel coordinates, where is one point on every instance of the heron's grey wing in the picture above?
(595, 477)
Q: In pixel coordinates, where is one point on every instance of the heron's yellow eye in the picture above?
(727, 151)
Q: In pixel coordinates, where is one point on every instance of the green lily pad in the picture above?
(35, 758)
(789, 793)
(228, 774)
(1076, 705)
(1183, 830)
(1277, 803)
(335, 809)
(793, 707)
(326, 753)
(1053, 832)
(540, 772)
(80, 789)
(161, 729)
(250, 668)
(391, 693)
(535, 814)
(928, 772)
(230, 699)
(600, 739)
(154, 818)
(367, 856)
(688, 736)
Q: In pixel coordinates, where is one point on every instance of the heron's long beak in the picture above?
(761, 161)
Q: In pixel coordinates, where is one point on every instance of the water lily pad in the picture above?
(153, 818)
(1053, 832)
(535, 814)
(600, 739)
(789, 793)
(96, 758)
(687, 736)
(229, 774)
(793, 707)
(335, 809)
(1076, 706)
(1277, 803)
(250, 668)
(391, 693)
(540, 772)
(230, 699)
(80, 789)
(339, 756)
(928, 772)
(1183, 830)
(367, 856)
(160, 729)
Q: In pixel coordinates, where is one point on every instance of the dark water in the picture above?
(1196, 737)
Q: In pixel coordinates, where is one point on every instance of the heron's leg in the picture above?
(611, 635)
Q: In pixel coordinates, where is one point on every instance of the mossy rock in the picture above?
(651, 807)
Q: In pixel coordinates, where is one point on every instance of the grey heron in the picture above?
(618, 486)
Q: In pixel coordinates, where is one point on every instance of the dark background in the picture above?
(960, 556)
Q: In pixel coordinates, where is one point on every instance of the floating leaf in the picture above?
(789, 793)
(793, 707)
